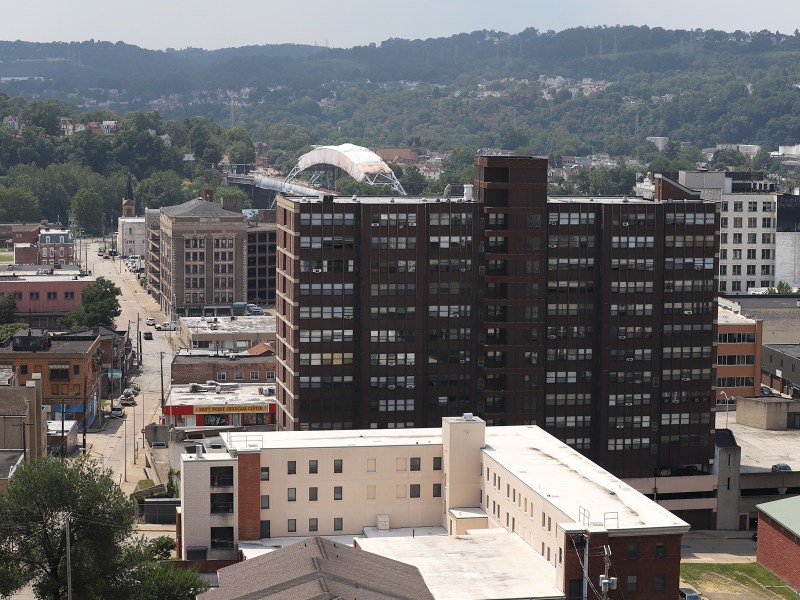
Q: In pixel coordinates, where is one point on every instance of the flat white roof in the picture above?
(260, 324)
(493, 564)
(241, 395)
(550, 468)
(247, 441)
(573, 483)
(727, 317)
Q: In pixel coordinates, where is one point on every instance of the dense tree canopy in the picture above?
(99, 306)
(107, 561)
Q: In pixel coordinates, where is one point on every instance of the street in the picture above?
(119, 443)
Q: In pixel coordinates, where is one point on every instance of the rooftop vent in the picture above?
(469, 417)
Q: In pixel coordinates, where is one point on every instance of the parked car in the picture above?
(150, 321)
(687, 593)
(781, 468)
(148, 335)
(118, 412)
(106, 256)
(129, 391)
(136, 387)
(127, 401)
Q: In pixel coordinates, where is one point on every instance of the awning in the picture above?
(62, 366)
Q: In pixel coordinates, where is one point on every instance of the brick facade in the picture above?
(249, 496)
(778, 550)
(198, 369)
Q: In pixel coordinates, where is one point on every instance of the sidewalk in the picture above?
(712, 546)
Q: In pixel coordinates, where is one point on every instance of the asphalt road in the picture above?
(119, 443)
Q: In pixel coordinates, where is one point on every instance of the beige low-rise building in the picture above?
(464, 478)
(234, 333)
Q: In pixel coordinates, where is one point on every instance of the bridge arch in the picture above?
(360, 163)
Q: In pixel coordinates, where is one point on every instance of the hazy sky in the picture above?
(214, 24)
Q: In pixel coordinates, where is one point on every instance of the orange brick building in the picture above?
(737, 355)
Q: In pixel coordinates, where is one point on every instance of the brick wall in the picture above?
(249, 508)
(778, 550)
(200, 371)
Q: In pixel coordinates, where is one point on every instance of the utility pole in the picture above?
(125, 445)
(69, 565)
(161, 361)
(606, 582)
(24, 439)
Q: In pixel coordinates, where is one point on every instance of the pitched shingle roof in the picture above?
(319, 569)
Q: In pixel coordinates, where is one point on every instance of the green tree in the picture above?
(162, 188)
(10, 329)
(18, 205)
(99, 306)
(782, 288)
(46, 114)
(107, 561)
(616, 181)
(8, 308)
(41, 495)
(87, 208)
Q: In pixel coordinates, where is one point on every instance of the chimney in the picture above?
(208, 195)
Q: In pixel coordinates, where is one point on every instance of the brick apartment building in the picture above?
(591, 317)
(738, 355)
(553, 504)
(70, 370)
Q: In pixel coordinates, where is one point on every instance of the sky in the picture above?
(212, 24)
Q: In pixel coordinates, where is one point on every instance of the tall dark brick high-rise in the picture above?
(593, 318)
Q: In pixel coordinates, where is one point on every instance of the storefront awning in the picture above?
(62, 366)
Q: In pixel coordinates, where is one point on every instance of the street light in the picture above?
(727, 406)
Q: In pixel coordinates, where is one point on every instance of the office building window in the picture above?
(633, 583)
(312, 494)
(437, 463)
(291, 494)
(414, 463)
(265, 501)
(337, 492)
(437, 490)
(312, 524)
(313, 466)
(659, 583)
(264, 473)
(291, 525)
(414, 490)
(291, 467)
(338, 523)
(337, 465)
(661, 549)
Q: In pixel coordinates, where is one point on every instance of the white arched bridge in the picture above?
(360, 163)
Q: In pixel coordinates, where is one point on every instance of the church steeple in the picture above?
(128, 202)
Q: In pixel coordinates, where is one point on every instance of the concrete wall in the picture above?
(764, 413)
(728, 463)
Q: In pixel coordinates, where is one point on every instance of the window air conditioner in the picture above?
(390, 364)
(316, 270)
(685, 379)
(410, 386)
(629, 359)
(462, 361)
(348, 316)
(622, 337)
(687, 312)
(391, 387)
(629, 404)
(625, 224)
(551, 337)
(454, 314)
